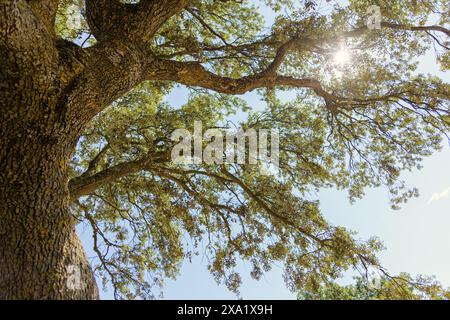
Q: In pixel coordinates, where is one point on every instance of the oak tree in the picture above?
(86, 135)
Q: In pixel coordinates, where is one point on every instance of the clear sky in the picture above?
(417, 237)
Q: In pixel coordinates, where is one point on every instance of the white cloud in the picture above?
(439, 195)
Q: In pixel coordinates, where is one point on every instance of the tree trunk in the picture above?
(41, 256)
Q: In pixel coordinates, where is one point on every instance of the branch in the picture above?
(195, 75)
(154, 13)
(416, 28)
(46, 11)
(268, 209)
(22, 28)
(104, 17)
(94, 162)
(115, 64)
(29, 59)
(87, 184)
(111, 19)
(206, 25)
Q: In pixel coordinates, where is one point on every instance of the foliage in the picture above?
(402, 287)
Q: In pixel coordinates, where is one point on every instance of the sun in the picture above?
(342, 57)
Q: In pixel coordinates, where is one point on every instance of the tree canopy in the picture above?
(402, 287)
(350, 126)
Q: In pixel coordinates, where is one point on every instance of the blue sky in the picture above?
(416, 237)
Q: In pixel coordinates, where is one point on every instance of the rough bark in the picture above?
(49, 90)
(40, 253)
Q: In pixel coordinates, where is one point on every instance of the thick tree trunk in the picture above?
(41, 256)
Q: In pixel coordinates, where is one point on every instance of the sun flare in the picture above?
(342, 57)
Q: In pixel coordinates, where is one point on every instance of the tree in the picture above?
(402, 287)
(85, 135)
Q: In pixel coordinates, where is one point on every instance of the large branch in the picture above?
(416, 28)
(109, 19)
(104, 17)
(24, 33)
(195, 75)
(29, 59)
(154, 13)
(115, 64)
(46, 11)
(85, 185)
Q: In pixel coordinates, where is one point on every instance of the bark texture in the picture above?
(41, 256)
(49, 90)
